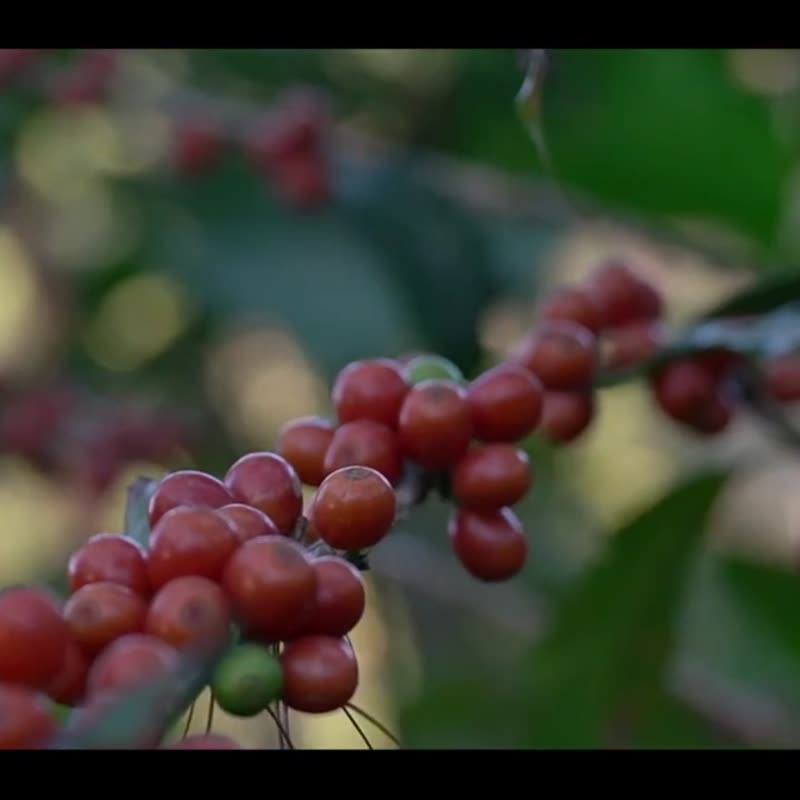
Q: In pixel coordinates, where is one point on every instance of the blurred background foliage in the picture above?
(169, 302)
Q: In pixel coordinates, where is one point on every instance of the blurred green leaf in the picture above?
(601, 664)
(765, 296)
(137, 518)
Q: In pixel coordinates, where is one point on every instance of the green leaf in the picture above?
(765, 296)
(137, 519)
(140, 718)
(602, 663)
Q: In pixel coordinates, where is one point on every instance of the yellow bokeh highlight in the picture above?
(138, 320)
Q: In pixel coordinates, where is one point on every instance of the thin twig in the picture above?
(377, 723)
(281, 730)
(210, 718)
(358, 728)
(189, 717)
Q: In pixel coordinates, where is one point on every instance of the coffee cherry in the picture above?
(683, 388)
(574, 305)
(248, 680)
(189, 541)
(623, 297)
(128, 662)
(26, 721)
(372, 389)
(490, 544)
(33, 637)
(99, 613)
(197, 146)
(303, 179)
(269, 483)
(341, 597)
(187, 488)
(189, 612)
(354, 508)
(205, 741)
(562, 354)
(304, 443)
(492, 476)
(782, 378)
(320, 674)
(111, 558)
(632, 344)
(366, 443)
(429, 367)
(247, 522)
(714, 417)
(435, 424)
(271, 587)
(68, 687)
(505, 403)
(566, 415)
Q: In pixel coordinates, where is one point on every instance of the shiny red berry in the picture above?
(187, 488)
(247, 522)
(341, 597)
(490, 544)
(68, 687)
(366, 443)
(111, 558)
(304, 443)
(566, 415)
(26, 721)
(492, 476)
(622, 296)
(372, 389)
(575, 305)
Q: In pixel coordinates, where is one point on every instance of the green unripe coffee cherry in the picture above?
(426, 367)
(247, 680)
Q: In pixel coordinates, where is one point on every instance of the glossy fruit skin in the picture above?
(303, 443)
(492, 476)
(490, 544)
(248, 680)
(430, 367)
(269, 483)
(782, 378)
(69, 685)
(634, 343)
(566, 415)
(505, 403)
(205, 741)
(33, 637)
(622, 296)
(371, 389)
(112, 558)
(561, 353)
(247, 522)
(354, 508)
(341, 597)
(189, 612)
(320, 674)
(435, 424)
(99, 613)
(25, 719)
(128, 662)
(573, 304)
(366, 443)
(187, 488)
(716, 416)
(189, 541)
(683, 388)
(271, 586)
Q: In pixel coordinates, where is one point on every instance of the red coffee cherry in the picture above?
(110, 558)
(490, 544)
(633, 344)
(269, 483)
(247, 522)
(189, 541)
(366, 443)
(574, 305)
(304, 443)
(683, 388)
(566, 415)
(623, 297)
(69, 685)
(341, 597)
(782, 378)
(354, 508)
(492, 476)
(33, 637)
(372, 389)
(26, 721)
(99, 613)
(271, 586)
(189, 612)
(205, 741)
(187, 488)
(197, 146)
(130, 661)
(303, 179)
(562, 354)
(320, 674)
(505, 403)
(716, 415)
(435, 424)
